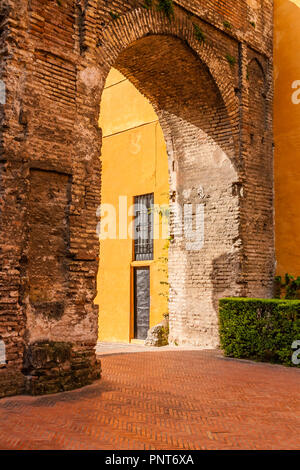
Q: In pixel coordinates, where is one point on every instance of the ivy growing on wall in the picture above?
(148, 4)
(164, 282)
(287, 288)
(165, 6)
(114, 15)
(227, 25)
(231, 60)
(200, 36)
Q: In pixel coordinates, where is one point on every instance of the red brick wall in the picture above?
(55, 60)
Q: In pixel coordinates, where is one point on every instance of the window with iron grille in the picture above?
(143, 227)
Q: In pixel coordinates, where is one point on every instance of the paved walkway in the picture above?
(163, 399)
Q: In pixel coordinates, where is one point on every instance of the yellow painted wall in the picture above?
(134, 162)
(287, 135)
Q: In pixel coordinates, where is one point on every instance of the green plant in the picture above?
(167, 7)
(289, 289)
(200, 36)
(147, 4)
(164, 214)
(231, 60)
(164, 336)
(114, 16)
(227, 25)
(164, 282)
(259, 329)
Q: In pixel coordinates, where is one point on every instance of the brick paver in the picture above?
(163, 400)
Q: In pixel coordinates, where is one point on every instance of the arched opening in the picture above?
(132, 276)
(204, 203)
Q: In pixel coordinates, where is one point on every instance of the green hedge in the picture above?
(259, 329)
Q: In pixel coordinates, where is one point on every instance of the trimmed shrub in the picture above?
(259, 329)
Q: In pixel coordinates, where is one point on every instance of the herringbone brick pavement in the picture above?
(163, 400)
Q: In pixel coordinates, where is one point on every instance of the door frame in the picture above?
(133, 266)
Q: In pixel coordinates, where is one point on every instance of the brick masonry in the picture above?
(214, 101)
(203, 402)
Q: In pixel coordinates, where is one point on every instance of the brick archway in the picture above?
(51, 173)
(121, 33)
(141, 23)
(202, 169)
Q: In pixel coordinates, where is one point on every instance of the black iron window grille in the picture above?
(143, 227)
